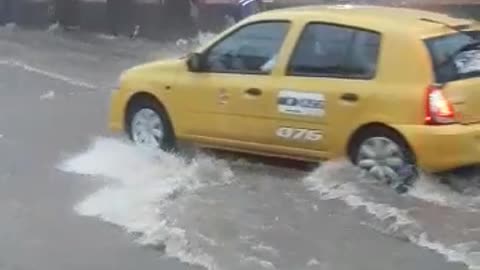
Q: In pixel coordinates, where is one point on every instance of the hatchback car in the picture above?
(389, 88)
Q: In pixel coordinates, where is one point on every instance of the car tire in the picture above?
(155, 120)
(378, 151)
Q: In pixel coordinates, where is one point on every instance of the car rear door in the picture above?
(327, 82)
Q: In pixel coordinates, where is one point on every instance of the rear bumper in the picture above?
(442, 148)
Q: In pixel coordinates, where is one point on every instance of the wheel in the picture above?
(385, 156)
(148, 125)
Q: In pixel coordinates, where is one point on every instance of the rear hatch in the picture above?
(458, 72)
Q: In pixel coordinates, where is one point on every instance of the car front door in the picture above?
(228, 99)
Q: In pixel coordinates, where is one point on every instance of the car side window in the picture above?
(251, 49)
(326, 50)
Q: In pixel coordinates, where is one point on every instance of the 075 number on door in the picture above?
(299, 134)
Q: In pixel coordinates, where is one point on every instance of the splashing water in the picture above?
(140, 185)
(340, 181)
(210, 212)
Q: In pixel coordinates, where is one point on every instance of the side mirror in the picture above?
(194, 62)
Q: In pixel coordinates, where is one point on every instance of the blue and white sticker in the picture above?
(301, 103)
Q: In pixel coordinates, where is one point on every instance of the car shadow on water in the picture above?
(279, 162)
(465, 180)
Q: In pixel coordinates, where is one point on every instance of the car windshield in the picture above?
(448, 64)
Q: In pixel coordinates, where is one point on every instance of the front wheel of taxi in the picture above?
(385, 156)
(148, 125)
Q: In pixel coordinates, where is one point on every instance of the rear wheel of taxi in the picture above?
(149, 126)
(385, 156)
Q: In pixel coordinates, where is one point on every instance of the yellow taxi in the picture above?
(389, 88)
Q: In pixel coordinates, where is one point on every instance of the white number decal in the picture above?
(313, 135)
(299, 134)
(285, 132)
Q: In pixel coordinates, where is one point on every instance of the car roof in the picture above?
(376, 18)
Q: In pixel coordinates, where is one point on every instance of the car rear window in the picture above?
(444, 47)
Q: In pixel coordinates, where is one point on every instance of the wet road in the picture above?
(64, 181)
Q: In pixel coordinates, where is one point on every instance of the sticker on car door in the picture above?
(301, 103)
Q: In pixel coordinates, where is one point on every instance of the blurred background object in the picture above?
(174, 19)
(7, 12)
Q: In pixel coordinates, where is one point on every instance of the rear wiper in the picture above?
(454, 28)
(467, 47)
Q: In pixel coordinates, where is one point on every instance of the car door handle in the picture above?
(349, 97)
(253, 92)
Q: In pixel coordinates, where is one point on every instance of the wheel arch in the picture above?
(145, 96)
(370, 126)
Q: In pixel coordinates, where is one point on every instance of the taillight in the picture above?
(439, 110)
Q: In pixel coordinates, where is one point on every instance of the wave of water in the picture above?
(224, 214)
(400, 216)
(140, 185)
